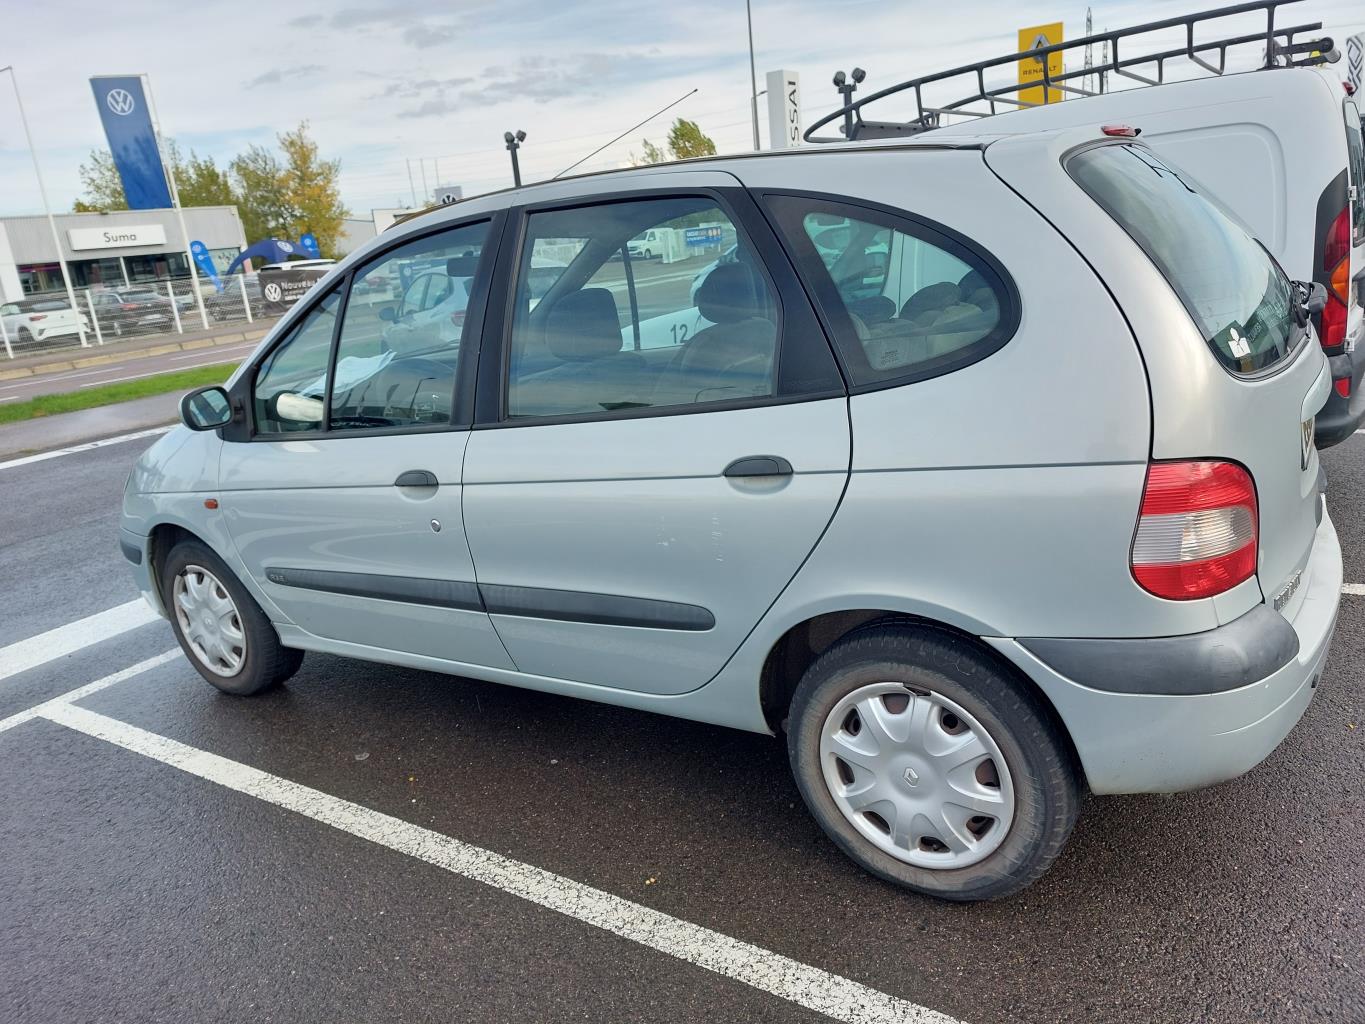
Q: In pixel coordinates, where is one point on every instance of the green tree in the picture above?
(652, 155)
(685, 139)
(198, 179)
(101, 184)
(310, 187)
(258, 185)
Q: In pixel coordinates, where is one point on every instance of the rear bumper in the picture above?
(1341, 417)
(1136, 742)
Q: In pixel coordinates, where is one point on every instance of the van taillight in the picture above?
(1196, 534)
(1336, 261)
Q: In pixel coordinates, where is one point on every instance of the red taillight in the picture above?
(1332, 332)
(1197, 532)
(1337, 245)
(1121, 131)
(37, 316)
(128, 305)
(1343, 387)
(1336, 261)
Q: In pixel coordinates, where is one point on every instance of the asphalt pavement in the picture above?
(374, 843)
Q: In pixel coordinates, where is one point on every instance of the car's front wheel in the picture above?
(220, 627)
(929, 765)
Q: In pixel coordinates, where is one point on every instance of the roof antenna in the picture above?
(618, 138)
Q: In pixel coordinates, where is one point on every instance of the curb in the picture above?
(233, 338)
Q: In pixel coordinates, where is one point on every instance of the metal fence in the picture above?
(45, 321)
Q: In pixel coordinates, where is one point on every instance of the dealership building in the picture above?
(111, 250)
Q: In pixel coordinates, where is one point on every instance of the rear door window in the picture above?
(1233, 290)
(906, 299)
(1355, 146)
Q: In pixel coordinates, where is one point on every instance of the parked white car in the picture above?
(30, 321)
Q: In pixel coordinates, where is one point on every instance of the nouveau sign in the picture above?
(120, 236)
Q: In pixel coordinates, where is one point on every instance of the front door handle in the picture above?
(759, 465)
(416, 478)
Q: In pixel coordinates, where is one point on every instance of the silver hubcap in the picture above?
(917, 776)
(209, 620)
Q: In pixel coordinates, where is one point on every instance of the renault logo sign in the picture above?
(120, 101)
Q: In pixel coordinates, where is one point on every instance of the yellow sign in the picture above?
(1031, 68)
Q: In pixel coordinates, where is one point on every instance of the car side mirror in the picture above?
(206, 409)
(388, 313)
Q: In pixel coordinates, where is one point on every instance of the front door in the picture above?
(344, 503)
(665, 446)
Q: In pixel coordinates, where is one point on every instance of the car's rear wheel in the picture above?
(220, 627)
(929, 765)
(25, 337)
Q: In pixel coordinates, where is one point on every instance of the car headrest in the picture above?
(462, 266)
(729, 295)
(935, 296)
(971, 281)
(584, 325)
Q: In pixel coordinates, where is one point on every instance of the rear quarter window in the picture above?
(906, 299)
(1233, 290)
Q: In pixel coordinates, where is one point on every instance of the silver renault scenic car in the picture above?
(982, 471)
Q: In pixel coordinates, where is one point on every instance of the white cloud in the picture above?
(387, 80)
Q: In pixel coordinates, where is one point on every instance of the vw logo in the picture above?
(911, 777)
(120, 101)
(285, 246)
(273, 293)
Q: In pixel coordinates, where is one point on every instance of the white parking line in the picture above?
(829, 994)
(75, 449)
(28, 714)
(1354, 589)
(64, 640)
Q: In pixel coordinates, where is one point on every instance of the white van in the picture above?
(1280, 147)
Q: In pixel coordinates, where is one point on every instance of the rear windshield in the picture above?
(1236, 294)
(1355, 147)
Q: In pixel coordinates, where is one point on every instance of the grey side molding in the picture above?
(1243, 652)
(439, 593)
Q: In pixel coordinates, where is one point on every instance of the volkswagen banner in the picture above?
(282, 287)
(127, 124)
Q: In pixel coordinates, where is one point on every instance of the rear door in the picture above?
(634, 507)
(1355, 146)
(1233, 375)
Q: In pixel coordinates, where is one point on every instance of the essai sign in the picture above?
(784, 109)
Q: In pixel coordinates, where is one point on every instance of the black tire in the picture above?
(649, 255)
(25, 337)
(1046, 788)
(266, 661)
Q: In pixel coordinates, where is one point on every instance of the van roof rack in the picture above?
(1281, 49)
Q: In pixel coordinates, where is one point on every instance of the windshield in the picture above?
(1236, 294)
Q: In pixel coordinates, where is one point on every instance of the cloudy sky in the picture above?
(436, 82)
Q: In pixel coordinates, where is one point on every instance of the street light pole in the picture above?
(514, 141)
(47, 208)
(753, 74)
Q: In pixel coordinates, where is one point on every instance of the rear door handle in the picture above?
(416, 478)
(759, 465)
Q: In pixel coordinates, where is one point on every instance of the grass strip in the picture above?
(109, 394)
